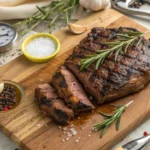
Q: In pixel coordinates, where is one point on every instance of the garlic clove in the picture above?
(77, 29)
(1, 87)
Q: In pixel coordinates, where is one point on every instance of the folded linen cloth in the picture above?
(19, 9)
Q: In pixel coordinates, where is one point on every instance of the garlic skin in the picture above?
(1, 87)
(94, 5)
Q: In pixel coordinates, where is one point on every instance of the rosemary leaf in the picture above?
(139, 41)
(117, 47)
(41, 10)
(126, 48)
(118, 123)
(53, 21)
(112, 43)
(101, 125)
(104, 115)
(103, 131)
(107, 122)
(124, 35)
(98, 63)
(102, 51)
(56, 10)
(132, 33)
(117, 53)
(66, 17)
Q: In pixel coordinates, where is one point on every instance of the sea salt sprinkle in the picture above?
(41, 47)
(38, 125)
(70, 132)
(63, 140)
(77, 141)
(64, 129)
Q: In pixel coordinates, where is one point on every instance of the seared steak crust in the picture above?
(51, 105)
(111, 80)
(70, 89)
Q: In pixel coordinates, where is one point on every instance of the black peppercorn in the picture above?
(7, 98)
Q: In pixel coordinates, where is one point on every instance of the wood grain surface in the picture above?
(20, 124)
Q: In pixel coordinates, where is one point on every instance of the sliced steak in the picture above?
(51, 105)
(70, 89)
(112, 80)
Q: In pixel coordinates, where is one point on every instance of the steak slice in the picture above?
(69, 89)
(51, 105)
(112, 80)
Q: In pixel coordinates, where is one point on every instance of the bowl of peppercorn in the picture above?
(11, 94)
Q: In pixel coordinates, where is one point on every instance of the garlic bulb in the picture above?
(94, 5)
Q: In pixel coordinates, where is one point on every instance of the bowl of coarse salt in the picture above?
(41, 47)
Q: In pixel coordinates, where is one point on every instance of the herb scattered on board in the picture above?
(110, 119)
(56, 10)
(121, 46)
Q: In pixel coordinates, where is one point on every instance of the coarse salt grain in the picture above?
(38, 125)
(89, 135)
(64, 128)
(77, 141)
(74, 133)
(69, 135)
(63, 140)
(41, 47)
(67, 139)
(72, 129)
(82, 128)
(59, 127)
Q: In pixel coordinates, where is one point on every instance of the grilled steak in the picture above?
(51, 105)
(69, 89)
(112, 80)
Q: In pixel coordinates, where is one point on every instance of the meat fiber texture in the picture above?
(71, 90)
(51, 105)
(112, 80)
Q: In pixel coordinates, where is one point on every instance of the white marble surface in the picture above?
(6, 144)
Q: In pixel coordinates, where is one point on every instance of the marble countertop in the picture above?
(6, 144)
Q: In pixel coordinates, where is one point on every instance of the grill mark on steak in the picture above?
(110, 76)
(101, 83)
(132, 53)
(108, 66)
(105, 71)
(51, 105)
(122, 59)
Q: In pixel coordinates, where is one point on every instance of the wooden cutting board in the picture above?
(27, 126)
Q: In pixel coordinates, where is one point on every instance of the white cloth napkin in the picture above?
(21, 9)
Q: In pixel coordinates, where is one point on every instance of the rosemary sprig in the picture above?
(110, 119)
(56, 10)
(117, 47)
